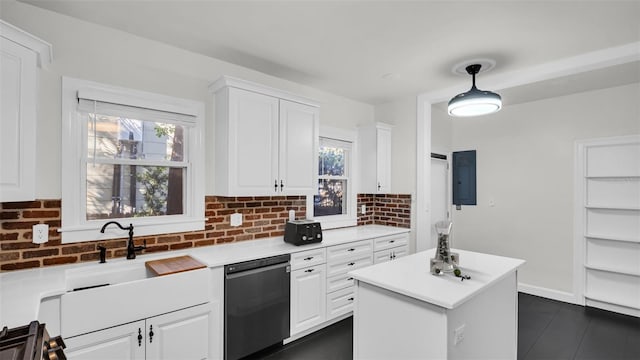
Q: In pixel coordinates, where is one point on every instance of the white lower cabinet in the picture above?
(340, 260)
(308, 298)
(119, 342)
(340, 302)
(183, 334)
(390, 248)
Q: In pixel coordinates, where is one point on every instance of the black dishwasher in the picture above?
(256, 305)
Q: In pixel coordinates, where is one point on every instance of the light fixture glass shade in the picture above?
(474, 102)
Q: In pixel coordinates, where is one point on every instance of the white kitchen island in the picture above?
(402, 311)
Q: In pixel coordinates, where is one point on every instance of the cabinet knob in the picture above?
(349, 278)
(379, 186)
(308, 258)
(309, 270)
(391, 241)
(151, 333)
(139, 337)
(275, 185)
(281, 186)
(352, 249)
(350, 299)
(351, 263)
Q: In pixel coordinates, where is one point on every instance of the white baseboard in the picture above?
(549, 293)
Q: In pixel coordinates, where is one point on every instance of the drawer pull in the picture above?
(351, 264)
(308, 258)
(350, 299)
(349, 278)
(309, 270)
(352, 249)
(391, 241)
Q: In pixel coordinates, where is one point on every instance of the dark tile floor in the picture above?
(547, 329)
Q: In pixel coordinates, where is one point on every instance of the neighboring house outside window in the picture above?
(130, 156)
(334, 203)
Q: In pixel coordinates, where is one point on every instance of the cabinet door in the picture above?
(253, 143)
(383, 172)
(308, 298)
(17, 122)
(298, 166)
(120, 342)
(183, 334)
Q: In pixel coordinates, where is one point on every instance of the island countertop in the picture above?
(411, 276)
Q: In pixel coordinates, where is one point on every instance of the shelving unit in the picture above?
(608, 223)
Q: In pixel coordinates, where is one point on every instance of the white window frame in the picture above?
(75, 227)
(351, 217)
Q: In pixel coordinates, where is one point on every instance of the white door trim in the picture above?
(579, 212)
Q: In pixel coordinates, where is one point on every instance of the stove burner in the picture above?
(30, 342)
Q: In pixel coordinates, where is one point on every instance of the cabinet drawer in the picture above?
(342, 267)
(340, 302)
(306, 258)
(391, 241)
(349, 251)
(339, 281)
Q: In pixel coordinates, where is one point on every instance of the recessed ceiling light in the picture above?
(391, 76)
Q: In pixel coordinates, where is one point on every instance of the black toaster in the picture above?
(300, 232)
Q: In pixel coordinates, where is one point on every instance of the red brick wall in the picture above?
(385, 209)
(262, 217)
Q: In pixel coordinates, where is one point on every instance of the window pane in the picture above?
(331, 198)
(121, 191)
(331, 161)
(120, 137)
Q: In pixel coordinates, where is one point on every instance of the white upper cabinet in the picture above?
(266, 141)
(20, 56)
(374, 143)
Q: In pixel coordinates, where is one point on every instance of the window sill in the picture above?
(336, 223)
(91, 232)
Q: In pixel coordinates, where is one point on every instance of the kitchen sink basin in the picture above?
(112, 294)
(105, 275)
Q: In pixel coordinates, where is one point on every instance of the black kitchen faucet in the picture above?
(131, 248)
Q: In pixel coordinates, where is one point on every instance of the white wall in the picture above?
(525, 163)
(402, 115)
(92, 52)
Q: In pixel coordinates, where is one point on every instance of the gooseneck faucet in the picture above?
(131, 248)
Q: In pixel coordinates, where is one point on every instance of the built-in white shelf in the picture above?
(613, 270)
(612, 301)
(616, 177)
(609, 207)
(612, 238)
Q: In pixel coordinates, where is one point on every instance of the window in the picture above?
(334, 203)
(139, 161)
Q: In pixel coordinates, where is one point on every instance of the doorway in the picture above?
(439, 193)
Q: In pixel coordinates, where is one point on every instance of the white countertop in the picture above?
(411, 276)
(22, 291)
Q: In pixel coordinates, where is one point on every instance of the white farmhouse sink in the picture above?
(114, 294)
(104, 275)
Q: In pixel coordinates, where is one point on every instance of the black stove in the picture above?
(30, 342)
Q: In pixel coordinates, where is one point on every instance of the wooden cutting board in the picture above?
(174, 265)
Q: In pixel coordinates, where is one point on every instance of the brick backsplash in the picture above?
(385, 209)
(263, 217)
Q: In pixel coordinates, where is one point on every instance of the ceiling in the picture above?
(377, 51)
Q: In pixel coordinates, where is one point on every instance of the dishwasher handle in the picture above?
(240, 274)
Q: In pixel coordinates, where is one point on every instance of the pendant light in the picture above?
(474, 102)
